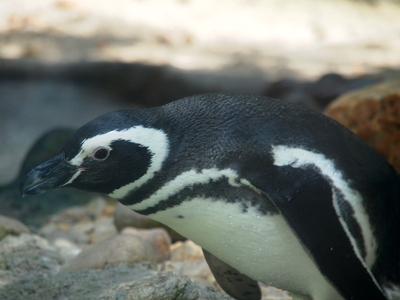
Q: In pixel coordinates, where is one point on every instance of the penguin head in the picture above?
(113, 154)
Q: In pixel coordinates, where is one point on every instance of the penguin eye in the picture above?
(100, 153)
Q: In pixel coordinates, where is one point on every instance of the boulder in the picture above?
(373, 114)
(25, 256)
(82, 285)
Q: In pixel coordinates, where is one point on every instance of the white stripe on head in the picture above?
(155, 140)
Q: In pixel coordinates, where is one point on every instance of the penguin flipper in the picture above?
(235, 284)
(305, 198)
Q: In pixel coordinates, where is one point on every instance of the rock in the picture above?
(125, 217)
(11, 226)
(199, 272)
(80, 232)
(269, 292)
(166, 285)
(65, 225)
(108, 283)
(373, 114)
(82, 224)
(26, 255)
(101, 206)
(186, 251)
(158, 238)
(162, 286)
(82, 285)
(68, 250)
(68, 253)
(123, 248)
(103, 229)
(187, 258)
(29, 266)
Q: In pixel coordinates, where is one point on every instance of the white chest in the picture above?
(261, 246)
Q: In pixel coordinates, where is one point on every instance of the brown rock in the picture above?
(187, 258)
(125, 217)
(186, 251)
(373, 113)
(158, 238)
(123, 248)
(11, 226)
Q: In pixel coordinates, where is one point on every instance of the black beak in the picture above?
(49, 175)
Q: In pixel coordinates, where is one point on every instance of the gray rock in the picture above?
(26, 256)
(122, 248)
(162, 286)
(108, 283)
(11, 226)
(125, 217)
(82, 285)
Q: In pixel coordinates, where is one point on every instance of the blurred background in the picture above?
(64, 62)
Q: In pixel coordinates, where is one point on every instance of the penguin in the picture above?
(273, 192)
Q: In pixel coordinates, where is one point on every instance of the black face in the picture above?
(107, 170)
(104, 170)
(114, 163)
